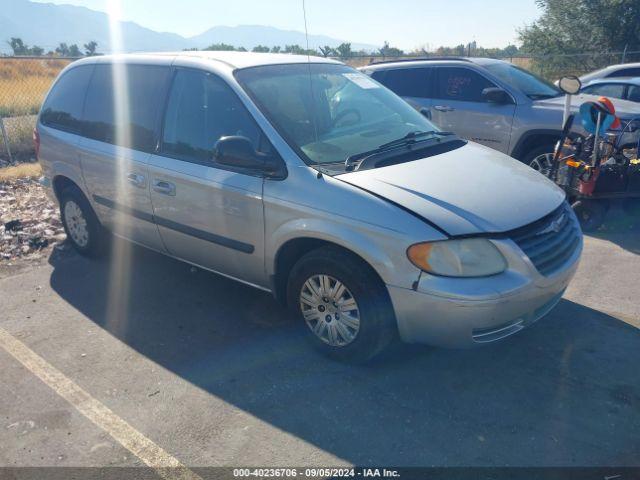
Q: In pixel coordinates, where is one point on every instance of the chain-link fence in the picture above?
(24, 81)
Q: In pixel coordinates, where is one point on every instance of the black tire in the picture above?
(590, 213)
(377, 327)
(532, 154)
(95, 245)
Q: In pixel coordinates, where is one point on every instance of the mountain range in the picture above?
(47, 25)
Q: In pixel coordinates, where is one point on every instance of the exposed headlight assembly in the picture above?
(468, 257)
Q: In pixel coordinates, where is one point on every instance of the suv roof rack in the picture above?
(421, 59)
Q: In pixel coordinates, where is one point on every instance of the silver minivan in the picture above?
(305, 178)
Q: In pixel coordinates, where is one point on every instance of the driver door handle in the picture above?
(164, 187)
(444, 108)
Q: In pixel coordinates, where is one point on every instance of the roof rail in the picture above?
(421, 59)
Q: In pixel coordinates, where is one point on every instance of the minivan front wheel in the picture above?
(344, 306)
(80, 222)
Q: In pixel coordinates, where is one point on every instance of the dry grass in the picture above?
(24, 83)
(24, 170)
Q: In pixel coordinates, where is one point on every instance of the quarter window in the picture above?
(63, 107)
(461, 84)
(122, 104)
(202, 108)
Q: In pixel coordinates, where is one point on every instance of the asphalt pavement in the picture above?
(214, 373)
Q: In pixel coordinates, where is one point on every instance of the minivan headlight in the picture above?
(468, 257)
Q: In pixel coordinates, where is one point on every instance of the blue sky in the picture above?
(404, 23)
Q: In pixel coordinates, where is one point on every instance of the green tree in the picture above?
(221, 47)
(90, 48)
(260, 49)
(327, 51)
(18, 46)
(344, 51)
(74, 51)
(275, 49)
(578, 27)
(388, 51)
(22, 49)
(63, 50)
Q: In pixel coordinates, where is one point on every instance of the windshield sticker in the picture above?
(361, 80)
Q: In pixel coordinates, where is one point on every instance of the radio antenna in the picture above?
(313, 102)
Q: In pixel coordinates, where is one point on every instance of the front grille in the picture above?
(551, 241)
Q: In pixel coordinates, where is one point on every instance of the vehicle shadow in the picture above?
(620, 228)
(564, 392)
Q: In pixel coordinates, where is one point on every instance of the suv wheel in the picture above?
(346, 309)
(81, 224)
(540, 159)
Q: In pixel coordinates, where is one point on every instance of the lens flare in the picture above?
(120, 267)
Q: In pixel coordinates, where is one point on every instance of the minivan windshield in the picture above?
(531, 85)
(330, 112)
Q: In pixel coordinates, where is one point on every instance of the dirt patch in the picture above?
(30, 224)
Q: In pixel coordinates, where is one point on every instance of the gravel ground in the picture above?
(29, 222)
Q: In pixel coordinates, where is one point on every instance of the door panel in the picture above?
(210, 217)
(458, 106)
(118, 181)
(205, 214)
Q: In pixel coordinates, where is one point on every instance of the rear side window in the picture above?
(63, 108)
(123, 105)
(625, 72)
(615, 90)
(634, 93)
(407, 82)
(201, 109)
(461, 84)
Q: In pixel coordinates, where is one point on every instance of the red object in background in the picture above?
(587, 187)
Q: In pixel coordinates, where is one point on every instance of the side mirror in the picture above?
(425, 113)
(237, 152)
(496, 95)
(570, 85)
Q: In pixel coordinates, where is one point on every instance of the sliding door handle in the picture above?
(164, 187)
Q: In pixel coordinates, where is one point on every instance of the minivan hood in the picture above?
(470, 190)
(624, 108)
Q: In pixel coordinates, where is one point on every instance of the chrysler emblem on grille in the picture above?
(555, 226)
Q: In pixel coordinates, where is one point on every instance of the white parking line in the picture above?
(163, 463)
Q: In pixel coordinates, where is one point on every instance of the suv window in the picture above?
(406, 82)
(63, 107)
(625, 72)
(201, 109)
(634, 93)
(615, 90)
(122, 105)
(461, 84)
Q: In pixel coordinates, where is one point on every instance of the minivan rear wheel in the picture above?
(344, 306)
(81, 224)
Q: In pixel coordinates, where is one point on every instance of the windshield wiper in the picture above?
(409, 139)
